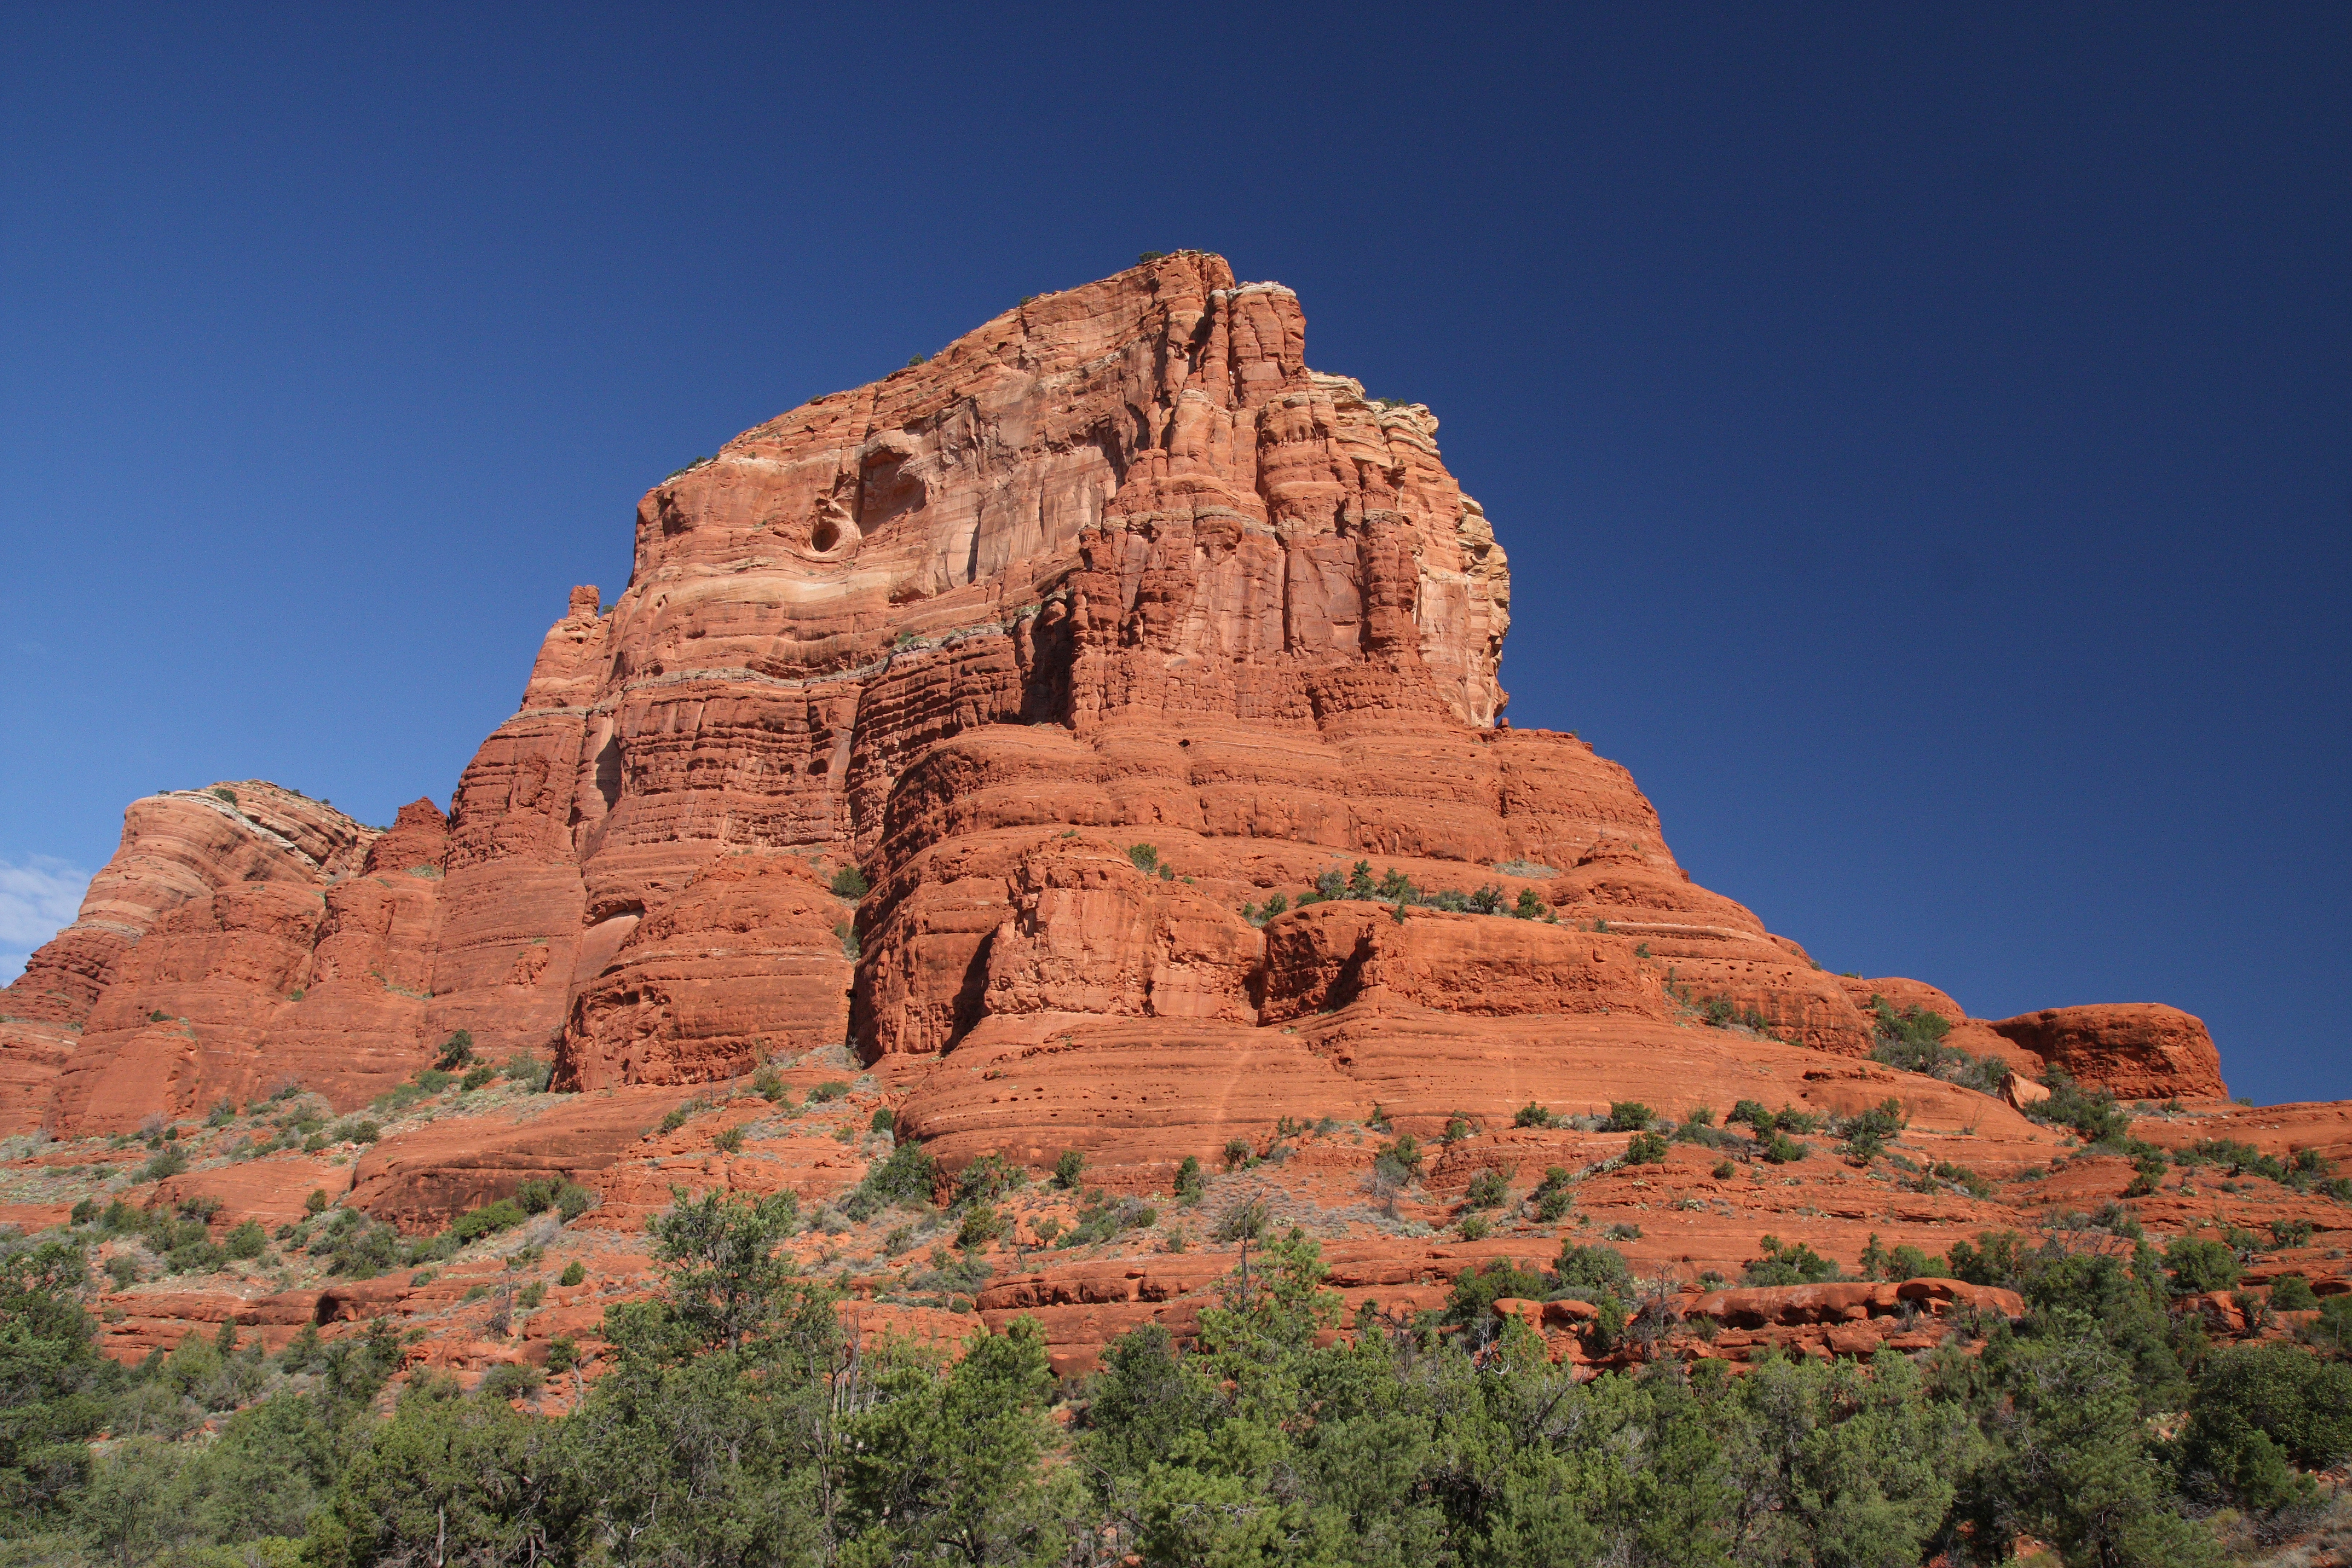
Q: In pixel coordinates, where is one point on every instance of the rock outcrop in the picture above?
(189, 940)
(2138, 1051)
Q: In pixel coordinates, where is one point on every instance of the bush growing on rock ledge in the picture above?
(980, 1225)
(1912, 1040)
(1723, 1013)
(2293, 1293)
(527, 1072)
(1397, 889)
(1102, 1218)
(536, 1194)
(1258, 914)
(475, 1223)
(423, 1085)
(1996, 1257)
(907, 1178)
(1909, 1262)
(1764, 1123)
(2197, 1266)
(1699, 1128)
(360, 1248)
(1867, 1134)
(1470, 1307)
(2093, 1114)
(2299, 1171)
(1646, 1149)
(1488, 1189)
(1581, 1269)
(1553, 1196)
(1780, 1264)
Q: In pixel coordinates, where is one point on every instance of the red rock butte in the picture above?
(1079, 641)
(1117, 567)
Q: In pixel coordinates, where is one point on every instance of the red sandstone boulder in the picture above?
(1938, 1293)
(2136, 1050)
(2021, 1091)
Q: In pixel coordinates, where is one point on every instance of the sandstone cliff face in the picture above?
(226, 881)
(314, 972)
(746, 963)
(178, 846)
(1080, 641)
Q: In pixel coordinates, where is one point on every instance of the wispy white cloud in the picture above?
(37, 899)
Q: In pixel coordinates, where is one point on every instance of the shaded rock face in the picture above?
(1078, 641)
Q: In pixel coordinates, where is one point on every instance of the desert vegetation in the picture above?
(733, 1417)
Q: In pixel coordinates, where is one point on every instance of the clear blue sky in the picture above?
(1920, 435)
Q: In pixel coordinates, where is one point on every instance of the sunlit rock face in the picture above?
(976, 713)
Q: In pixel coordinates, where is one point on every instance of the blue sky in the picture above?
(1920, 434)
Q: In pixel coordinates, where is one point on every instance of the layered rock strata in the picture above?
(975, 718)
